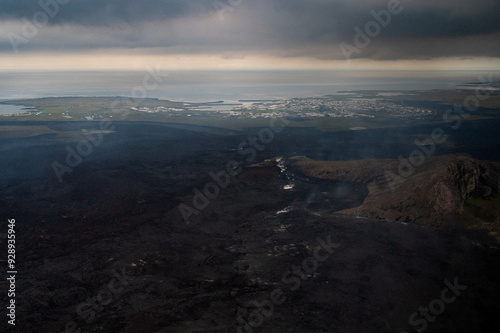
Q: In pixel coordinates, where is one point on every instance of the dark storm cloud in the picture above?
(286, 28)
(105, 12)
(447, 23)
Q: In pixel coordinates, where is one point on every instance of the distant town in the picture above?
(297, 108)
(362, 105)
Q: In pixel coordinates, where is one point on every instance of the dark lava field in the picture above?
(140, 237)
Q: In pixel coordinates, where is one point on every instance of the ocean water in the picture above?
(10, 109)
(230, 86)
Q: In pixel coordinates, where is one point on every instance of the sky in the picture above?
(250, 34)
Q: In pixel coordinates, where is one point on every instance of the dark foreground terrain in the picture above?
(108, 249)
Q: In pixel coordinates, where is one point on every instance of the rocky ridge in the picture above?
(432, 193)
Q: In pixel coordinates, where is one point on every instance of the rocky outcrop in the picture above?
(432, 192)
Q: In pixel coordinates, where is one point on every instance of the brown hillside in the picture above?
(434, 193)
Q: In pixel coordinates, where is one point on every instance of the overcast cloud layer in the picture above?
(425, 29)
